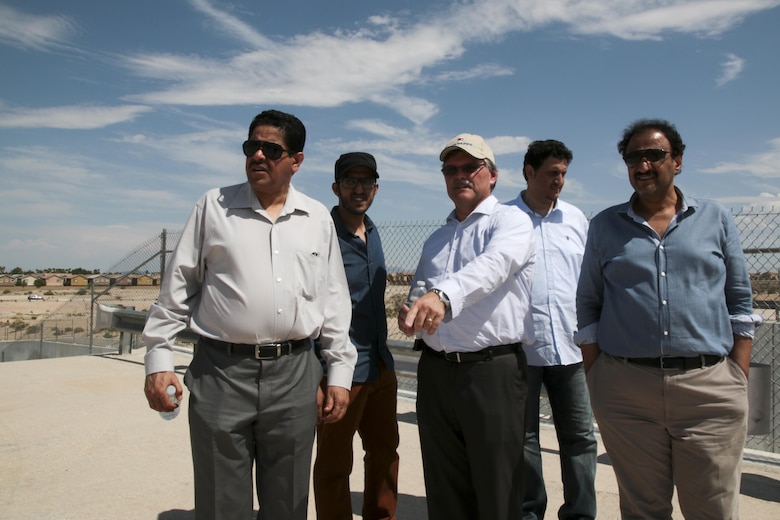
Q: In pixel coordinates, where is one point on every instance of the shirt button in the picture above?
(663, 273)
(663, 302)
(279, 310)
(666, 333)
(278, 280)
(276, 251)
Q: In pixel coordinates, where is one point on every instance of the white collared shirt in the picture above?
(485, 266)
(238, 276)
(560, 243)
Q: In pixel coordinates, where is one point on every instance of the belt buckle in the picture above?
(662, 364)
(261, 357)
(453, 356)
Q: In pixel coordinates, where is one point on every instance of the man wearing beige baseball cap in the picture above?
(473, 321)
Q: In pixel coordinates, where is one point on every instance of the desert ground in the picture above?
(64, 310)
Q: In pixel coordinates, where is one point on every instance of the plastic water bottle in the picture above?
(417, 291)
(171, 391)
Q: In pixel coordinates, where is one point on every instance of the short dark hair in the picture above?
(661, 125)
(540, 151)
(293, 131)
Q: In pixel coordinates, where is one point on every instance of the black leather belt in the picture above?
(677, 363)
(485, 354)
(264, 351)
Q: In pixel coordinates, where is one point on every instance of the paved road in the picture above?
(78, 442)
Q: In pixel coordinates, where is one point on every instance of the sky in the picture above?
(115, 117)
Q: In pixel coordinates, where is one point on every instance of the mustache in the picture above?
(463, 183)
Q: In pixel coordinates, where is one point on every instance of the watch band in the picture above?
(442, 297)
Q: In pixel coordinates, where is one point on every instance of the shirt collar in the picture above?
(687, 202)
(520, 201)
(486, 207)
(341, 229)
(246, 198)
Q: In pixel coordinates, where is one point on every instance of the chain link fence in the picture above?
(759, 230)
(136, 286)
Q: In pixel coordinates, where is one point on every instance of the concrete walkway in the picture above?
(78, 441)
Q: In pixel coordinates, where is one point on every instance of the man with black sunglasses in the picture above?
(257, 274)
(665, 317)
(471, 377)
(372, 400)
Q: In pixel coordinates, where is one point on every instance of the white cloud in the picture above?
(379, 60)
(34, 32)
(761, 165)
(75, 117)
(731, 69)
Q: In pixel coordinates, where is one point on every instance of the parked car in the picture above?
(34, 297)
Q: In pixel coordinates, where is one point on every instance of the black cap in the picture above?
(352, 160)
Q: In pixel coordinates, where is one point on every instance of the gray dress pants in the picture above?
(245, 412)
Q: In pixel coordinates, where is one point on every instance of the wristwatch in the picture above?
(442, 297)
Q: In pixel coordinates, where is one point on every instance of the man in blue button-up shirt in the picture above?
(372, 400)
(560, 232)
(664, 308)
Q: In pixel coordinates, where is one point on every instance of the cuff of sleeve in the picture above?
(340, 375)
(159, 359)
(453, 294)
(745, 324)
(587, 335)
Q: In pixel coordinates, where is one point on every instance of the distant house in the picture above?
(78, 280)
(54, 280)
(7, 280)
(122, 281)
(143, 280)
(101, 280)
(28, 280)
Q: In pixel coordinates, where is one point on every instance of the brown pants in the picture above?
(371, 413)
(666, 428)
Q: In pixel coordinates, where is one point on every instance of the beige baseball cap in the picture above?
(472, 144)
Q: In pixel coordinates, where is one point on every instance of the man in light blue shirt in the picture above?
(471, 377)
(664, 308)
(560, 232)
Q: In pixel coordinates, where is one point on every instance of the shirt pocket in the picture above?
(309, 273)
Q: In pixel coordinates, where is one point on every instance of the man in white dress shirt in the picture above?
(471, 376)
(560, 232)
(257, 273)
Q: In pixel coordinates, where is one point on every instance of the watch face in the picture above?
(442, 297)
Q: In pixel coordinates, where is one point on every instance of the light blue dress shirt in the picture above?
(683, 294)
(560, 243)
(485, 266)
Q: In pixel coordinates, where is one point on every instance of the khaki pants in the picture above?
(666, 428)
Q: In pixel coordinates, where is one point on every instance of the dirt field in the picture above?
(66, 310)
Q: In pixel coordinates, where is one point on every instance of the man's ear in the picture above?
(297, 158)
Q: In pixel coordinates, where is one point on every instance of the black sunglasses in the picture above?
(467, 168)
(653, 155)
(271, 151)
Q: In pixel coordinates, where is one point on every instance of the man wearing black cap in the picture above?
(372, 408)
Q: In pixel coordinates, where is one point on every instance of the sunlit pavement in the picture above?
(78, 441)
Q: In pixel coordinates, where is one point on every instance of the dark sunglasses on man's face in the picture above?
(653, 155)
(271, 151)
(468, 168)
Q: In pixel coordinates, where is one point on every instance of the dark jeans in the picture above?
(570, 403)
